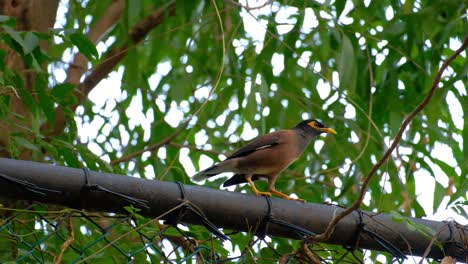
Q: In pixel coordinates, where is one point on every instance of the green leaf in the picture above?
(4, 105)
(460, 208)
(45, 101)
(84, 45)
(396, 60)
(16, 36)
(7, 20)
(462, 190)
(422, 229)
(396, 217)
(346, 64)
(31, 41)
(70, 158)
(447, 169)
(134, 211)
(4, 18)
(49, 148)
(62, 90)
(23, 142)
(439, 194)
(464, 103)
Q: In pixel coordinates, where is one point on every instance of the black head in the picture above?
(314, 127)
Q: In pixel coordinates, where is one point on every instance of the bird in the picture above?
(267, 157)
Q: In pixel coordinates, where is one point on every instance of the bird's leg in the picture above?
(252, 185)
(272, 189)
(284, 196)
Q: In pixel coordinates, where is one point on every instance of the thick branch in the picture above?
(153, 147)
(113, 57)
(331, 227)
(225, 209)
(106, 22)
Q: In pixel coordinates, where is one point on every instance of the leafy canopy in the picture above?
(238, 70)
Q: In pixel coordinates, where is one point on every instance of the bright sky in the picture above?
(108, 92)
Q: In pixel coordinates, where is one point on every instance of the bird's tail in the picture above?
(225, 166)
(211, 171)
(234, 180)
(238, 179)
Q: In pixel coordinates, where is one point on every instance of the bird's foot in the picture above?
(263, 193)
(285, 196)
(296, 199)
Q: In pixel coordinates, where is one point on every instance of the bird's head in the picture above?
(314, 127)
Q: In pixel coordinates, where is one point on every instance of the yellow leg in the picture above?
(252, 185)
(284, 196)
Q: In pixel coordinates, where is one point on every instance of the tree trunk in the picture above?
(31, 15)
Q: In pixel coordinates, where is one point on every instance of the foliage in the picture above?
(233, 71)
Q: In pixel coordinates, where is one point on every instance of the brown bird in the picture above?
(267, 156)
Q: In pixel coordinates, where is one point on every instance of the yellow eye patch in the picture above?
(328, 130)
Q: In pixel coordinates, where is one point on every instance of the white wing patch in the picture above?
(263, 147)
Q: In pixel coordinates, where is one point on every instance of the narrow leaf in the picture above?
(346, 64)
(15, 35)
(22, 142)
(84, 45)
(31, 41)
(439, 194)
(61, 90)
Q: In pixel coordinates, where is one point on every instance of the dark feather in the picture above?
(204, 174)
(263, 142)
(239, 178)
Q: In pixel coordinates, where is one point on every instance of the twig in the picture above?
(213, 89)
(287, 257)
(309, 254)
(109, 18)
(331, 226)
(153, 147)
(67, 243)
(315, 179)
(129, 232)
(207, 151)
(429, 246)
(249, 8)
(448, 260)
(137, 34)
(185, 243)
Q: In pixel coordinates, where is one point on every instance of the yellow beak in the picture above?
(329, 130)
(323, 129)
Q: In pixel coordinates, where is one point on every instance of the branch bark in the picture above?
(225, 209)
(30, 15)
(113, 57)
(153, 147)
(80, 64)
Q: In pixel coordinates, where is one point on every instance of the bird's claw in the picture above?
(263, 194)
(296, 199)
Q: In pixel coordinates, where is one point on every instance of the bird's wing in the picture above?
(266, 141)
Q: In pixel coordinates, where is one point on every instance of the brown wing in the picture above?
(266, 141)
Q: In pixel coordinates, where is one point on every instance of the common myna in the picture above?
(267, 156)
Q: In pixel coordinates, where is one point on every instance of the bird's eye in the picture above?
(319, 125)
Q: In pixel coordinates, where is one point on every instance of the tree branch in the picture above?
(113, 57)
(331, 226)
(80, 64)
(194, 148)
(230, 210)
(153, 147)
(67, 243)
